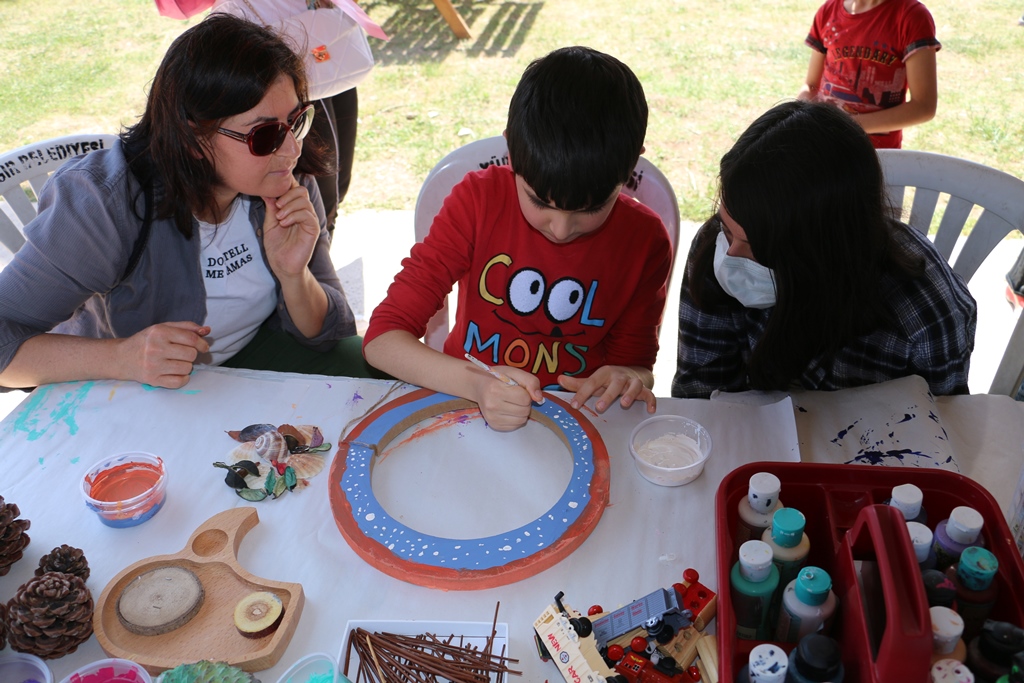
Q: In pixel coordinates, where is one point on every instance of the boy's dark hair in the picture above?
(576, 125)
(806, 186)
(221, 67)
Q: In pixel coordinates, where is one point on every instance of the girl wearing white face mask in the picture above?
(803, 279)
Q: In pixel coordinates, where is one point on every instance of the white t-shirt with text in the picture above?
(240, 291)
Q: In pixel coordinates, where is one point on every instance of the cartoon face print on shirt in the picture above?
(542, 310)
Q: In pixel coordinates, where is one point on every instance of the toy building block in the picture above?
(707, 648)
(682, 648)
(698, 598)
(566, 636)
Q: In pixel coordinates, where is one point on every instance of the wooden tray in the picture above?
(211, 553)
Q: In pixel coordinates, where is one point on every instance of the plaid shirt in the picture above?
(933, 338)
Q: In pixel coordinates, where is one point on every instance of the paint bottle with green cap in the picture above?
(808, 605)
(788, 542)
(976, 589)
(753, 581)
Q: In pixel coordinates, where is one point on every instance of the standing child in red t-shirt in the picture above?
(867, 55)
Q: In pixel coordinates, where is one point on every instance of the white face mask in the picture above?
(747, 281)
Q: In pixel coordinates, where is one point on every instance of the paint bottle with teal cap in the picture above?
(753, 581)
(976, 589)
(808, 605)
(755, 510)
(788, 542)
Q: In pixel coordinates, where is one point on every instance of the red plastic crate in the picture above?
(885, 632)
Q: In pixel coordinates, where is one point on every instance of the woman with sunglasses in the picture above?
(197, 238)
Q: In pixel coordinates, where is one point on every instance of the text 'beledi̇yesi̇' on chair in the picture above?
(27, 169)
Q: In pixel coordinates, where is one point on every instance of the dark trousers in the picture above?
(279, 351)
(335, 122)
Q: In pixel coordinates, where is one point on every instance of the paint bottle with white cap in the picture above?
(909, 500)
(767, 663)
(923, 540)
(950, 671)
(753, 581)
(953, 535)
(947, 635)
(757, 508)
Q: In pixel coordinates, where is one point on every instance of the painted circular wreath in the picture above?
(475, 563)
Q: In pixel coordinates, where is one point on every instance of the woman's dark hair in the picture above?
(576, 126)
(221, 67)
(805, 184)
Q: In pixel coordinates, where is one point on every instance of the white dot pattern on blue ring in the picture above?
(475, 553)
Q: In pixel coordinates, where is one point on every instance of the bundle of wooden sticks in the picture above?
(426, 658)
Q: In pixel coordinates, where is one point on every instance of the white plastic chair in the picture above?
(967, 184)
(28, 168)
(649, 186)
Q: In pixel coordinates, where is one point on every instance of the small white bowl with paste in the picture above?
(670, 450)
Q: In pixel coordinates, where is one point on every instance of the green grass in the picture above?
(709, 67)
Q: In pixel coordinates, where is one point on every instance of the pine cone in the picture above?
(50, 616)
(67, 560)
(13, 538)
(3, 625)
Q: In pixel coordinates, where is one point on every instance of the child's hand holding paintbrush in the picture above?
(506, 404)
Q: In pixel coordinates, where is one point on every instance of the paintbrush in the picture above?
(493, 373)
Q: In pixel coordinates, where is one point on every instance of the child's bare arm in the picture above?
(815, 68)
(923, 87)
(505, 407)
(632, 383)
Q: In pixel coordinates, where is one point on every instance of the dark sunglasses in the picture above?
(266, 138)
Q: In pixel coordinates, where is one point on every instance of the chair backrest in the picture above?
(1000, 196)
(27, 169)
(648, 185)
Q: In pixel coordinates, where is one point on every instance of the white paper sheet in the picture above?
(646, 537)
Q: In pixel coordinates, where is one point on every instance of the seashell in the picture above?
(251, 432)
(271, 446)
(306, 465)
(305, 435)
(294, 432)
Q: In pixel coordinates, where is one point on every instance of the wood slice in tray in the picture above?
(211, 555)
(160, 601)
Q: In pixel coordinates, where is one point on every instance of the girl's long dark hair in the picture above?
(805, 184)
(219, 68)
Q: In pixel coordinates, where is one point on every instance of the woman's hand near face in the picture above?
(290, 232)
(163, 354)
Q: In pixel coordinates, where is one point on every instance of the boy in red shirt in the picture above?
(867, 55)
(562, 282)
